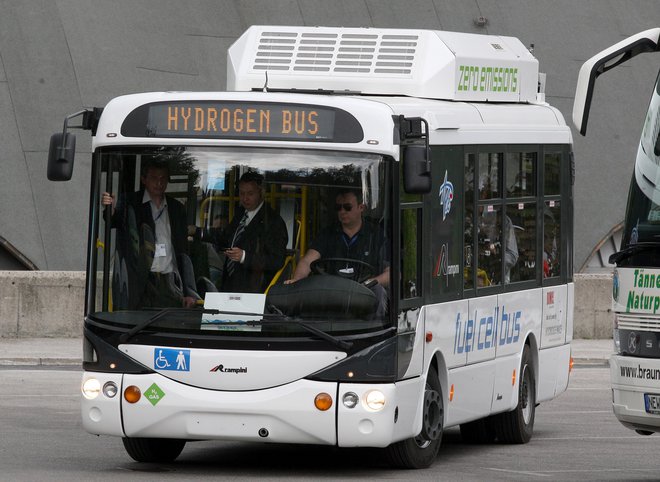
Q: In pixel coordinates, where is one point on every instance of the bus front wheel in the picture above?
(421, 451)
(159, 450)
(516, 426)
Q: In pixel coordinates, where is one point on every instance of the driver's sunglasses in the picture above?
(345, 206)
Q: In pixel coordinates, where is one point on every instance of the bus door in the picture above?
(447, 312)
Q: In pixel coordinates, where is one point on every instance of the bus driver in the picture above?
(351, 238)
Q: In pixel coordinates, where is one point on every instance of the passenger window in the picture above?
(490, 165)
(520, 237)
(552, 174)
(489, 244)
(521, 174)
(468, 230)
(551, 239)
(410, 249)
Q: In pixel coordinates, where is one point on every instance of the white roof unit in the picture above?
(419, 63)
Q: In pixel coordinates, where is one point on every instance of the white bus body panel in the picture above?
(102, 416)
(235, 369)
(631, 378)
(287, 412)
(554, 322)
(553, 373)
(361, 427)
(480, 342)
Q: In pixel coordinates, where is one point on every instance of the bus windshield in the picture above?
(641, 236)
(242, 242)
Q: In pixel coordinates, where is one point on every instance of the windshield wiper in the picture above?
(281, 317)
(160, 314)
(632, 249)
(277, 317)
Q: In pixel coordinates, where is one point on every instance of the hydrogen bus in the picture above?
(462, 171)
(635, 365)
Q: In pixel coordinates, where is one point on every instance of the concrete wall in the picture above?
(50, 304)
(41, 303)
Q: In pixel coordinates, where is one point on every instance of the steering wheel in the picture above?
(345, 267)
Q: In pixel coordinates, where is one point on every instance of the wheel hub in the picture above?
(433, 416)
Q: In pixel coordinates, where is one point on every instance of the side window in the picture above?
(551, 239)
(552, 174)
(552, 261)
(520, 234)
(410, 250)
(520, 231)
(520, 174)
(469, 258)
(513, 215)
(490, 241)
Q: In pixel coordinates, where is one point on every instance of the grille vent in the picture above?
(343, 54)
(644, 322)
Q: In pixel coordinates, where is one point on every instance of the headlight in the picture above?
(350, 399)
(374, 400)
(91, 388)
(110, 389)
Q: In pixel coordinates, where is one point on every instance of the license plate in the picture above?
(652, 403)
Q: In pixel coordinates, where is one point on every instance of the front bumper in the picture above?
(631, 378)
(284, 414)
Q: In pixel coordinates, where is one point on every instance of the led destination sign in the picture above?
(242, 120)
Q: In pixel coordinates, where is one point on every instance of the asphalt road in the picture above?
(576, 437)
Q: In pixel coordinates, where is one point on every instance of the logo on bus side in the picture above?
(442, 266)
(221, 368)
(446, 196)
(486, 332)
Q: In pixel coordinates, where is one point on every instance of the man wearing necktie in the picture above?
(256, 240)
(151, 239)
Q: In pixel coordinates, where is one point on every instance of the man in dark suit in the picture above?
(255, 240)
(151, 239)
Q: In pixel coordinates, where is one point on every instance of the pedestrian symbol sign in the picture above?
(174, 359)
(154, 394)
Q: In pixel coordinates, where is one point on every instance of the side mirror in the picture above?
(416, 169)
(61, 152)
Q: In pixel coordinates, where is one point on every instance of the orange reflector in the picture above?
(429, 337)
(323, 401)
(451, 392)
(570, 365)
(513, 378)
(132, 394)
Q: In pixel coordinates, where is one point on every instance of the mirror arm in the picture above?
(66, 122)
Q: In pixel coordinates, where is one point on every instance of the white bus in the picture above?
(462, 176)
(635, 365)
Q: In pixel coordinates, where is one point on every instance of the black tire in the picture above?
(158, 450)
(517, 426)
(479, 431)
(421, 451)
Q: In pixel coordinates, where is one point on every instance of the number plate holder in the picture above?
(652, 403)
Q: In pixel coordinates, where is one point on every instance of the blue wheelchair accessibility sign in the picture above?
(172, 359)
